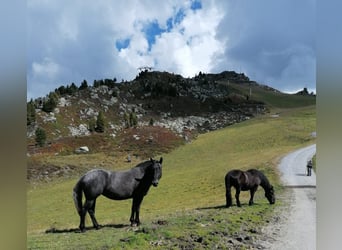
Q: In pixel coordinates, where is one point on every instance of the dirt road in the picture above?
(295, 225)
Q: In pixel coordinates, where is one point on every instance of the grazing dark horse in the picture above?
(133, 183)
(244, 181)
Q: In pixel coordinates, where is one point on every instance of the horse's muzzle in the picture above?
(155, 184)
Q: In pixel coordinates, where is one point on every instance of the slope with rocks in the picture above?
(178, 106)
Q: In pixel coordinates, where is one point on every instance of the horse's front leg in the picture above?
(132, 214)
(252, 192)
(237, 195)
(135, 221)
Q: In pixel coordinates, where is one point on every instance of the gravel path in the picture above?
(295, 225)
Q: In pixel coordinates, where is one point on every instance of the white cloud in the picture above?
(46, 68)
(187, 49)
(72, 41)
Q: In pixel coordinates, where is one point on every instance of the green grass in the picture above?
(274, 99)
(189, 197)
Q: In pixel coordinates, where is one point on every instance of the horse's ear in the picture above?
(151, 159)
(161, 160)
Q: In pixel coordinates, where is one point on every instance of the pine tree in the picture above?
(100, 123)
(84, 85)
(126, 120)
(92, 125)
(133, 119)
(51, 103)
(40, 137)
(31, 113)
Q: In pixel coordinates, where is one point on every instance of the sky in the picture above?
(272, 42)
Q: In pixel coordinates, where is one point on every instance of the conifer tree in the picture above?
(133, 119)
(51, 103)
(100, 123)
(31, 113)
(40, 137)
(84, 85)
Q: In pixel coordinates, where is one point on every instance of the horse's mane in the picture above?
(264, 181)
(143, 164)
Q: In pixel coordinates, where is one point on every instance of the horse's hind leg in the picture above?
(90, 206)
(228, 197)
(82, 219)
(237, 194)
(91, 212)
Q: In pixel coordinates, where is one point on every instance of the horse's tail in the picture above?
(77, 196)
(227, 181)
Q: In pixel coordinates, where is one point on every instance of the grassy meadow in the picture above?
(186, 209)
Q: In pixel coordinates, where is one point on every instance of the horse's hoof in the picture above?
(135, 224)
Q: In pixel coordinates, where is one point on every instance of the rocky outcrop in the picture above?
(203, 103)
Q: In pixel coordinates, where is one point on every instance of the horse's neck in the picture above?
(265, 184)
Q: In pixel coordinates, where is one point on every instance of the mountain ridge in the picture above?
(181, 107)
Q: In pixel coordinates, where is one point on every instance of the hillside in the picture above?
(154, 113)
(186, 211)
(162, 114)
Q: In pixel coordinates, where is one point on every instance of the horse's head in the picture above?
(157, 171)
(270, 195)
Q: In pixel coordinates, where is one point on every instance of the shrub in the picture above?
(51, 103)
(40, 137)
(31, 113)
(100, 123)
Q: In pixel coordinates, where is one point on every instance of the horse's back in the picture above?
(242, 179)
(255, 176)
(94, 182)
(122, 184)
(232, 178)
(235, 173)
(254, 172)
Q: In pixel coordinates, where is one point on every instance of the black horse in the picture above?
(133, 183)
(244, 181)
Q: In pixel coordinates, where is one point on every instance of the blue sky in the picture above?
(273, 42)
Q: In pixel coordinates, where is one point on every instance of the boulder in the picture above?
(83, 149)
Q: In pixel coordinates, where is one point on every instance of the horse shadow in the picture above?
(77, 230)
(224, 206)
(212, 207)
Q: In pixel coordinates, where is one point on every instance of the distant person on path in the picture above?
(309, 167)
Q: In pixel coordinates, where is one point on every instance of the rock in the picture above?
(81, 130)
(136, 137)
(83, 149)
(63, 102)
(50, 117)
